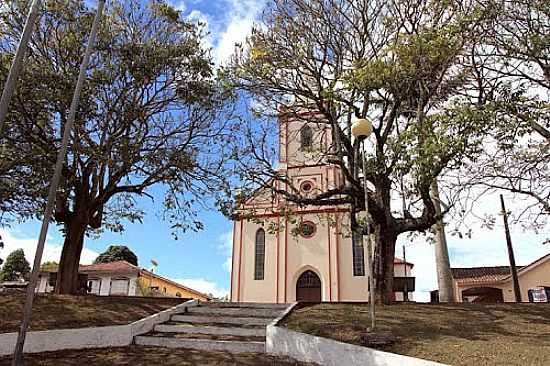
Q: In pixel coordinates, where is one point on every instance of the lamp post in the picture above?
(362, 128)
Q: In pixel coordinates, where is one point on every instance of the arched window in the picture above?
(306, 137)
(259, 255)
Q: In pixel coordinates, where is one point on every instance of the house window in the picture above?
(119, 286)
(307, 229)
(259, 248)
(306, 137)
(178, 294)
(358, 255)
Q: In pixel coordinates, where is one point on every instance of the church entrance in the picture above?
(308, 287)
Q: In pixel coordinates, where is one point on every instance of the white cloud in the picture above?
(226, 247)
(179, 5)
(52, 250)
(204, 286)
(238, 25)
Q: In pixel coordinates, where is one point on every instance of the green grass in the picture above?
(456, 334)
(58, 311)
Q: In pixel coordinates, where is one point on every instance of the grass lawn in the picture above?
(456, 334)
(58, 311)
(136, 355)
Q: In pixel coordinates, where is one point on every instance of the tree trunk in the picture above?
(385, 255)
(67, 275)
(443, 266)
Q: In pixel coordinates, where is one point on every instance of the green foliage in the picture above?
(49, 266)
(117, 253)
(151, 113)
(16, 267)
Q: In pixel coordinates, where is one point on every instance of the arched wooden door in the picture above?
(308, 287)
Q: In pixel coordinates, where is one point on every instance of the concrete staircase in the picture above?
(222, 326)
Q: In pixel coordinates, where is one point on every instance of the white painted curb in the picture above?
(94, 337)
(303, 347)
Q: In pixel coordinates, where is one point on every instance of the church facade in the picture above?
(284, 253)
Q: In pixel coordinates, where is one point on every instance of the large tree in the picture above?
(117, 253)
(16, 267)
(512, 66)
(150, 115)
(406, 65)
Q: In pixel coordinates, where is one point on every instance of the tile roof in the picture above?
(401, 261)
(481, 274)
(117, 267)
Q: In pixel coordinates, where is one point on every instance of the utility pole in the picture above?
(17, 62)
(443, 266)
(513, 268)
(27, 311)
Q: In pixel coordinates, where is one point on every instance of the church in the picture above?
(283, 253)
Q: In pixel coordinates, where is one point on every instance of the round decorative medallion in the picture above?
(306, 186)
(307, 229)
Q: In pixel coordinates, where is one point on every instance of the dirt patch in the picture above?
(61, 311)
(456, 334)
(136, 355)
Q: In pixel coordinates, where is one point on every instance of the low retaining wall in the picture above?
(303, 347)
(94, 337)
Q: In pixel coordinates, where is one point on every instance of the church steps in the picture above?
(257, 305)
(242, 312)
(207, 319)
(189, 328)
(201, 344)
(229, 327)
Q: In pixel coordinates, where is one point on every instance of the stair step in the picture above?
(214, 337)
(201, 344)
(255, 305)
(205, 319)
(214, 330)
(241, 312)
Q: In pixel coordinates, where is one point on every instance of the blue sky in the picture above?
(201, 260)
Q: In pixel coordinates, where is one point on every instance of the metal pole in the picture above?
(369, 246)
(17, 63)
(513, 268)
(18, 354)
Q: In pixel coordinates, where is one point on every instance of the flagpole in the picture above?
(18, 353)
(17, 63)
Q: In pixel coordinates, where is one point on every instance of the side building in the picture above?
(284, 253)
(121, 278)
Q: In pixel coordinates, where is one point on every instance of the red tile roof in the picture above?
(118, 267)
(481, 274)
(401, 261)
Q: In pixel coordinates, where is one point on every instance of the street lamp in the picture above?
(362, 128)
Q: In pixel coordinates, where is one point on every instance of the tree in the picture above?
(151, 115)
(117, 253)
(512, 66)
(405, 65)
(49, 266)
(16, 267)
(1, 247)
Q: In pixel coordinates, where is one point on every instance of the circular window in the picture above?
(306, 186)
(307, 229)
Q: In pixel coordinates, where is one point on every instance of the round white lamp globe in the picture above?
(361, 128)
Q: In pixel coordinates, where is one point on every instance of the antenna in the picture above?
(155, 265)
